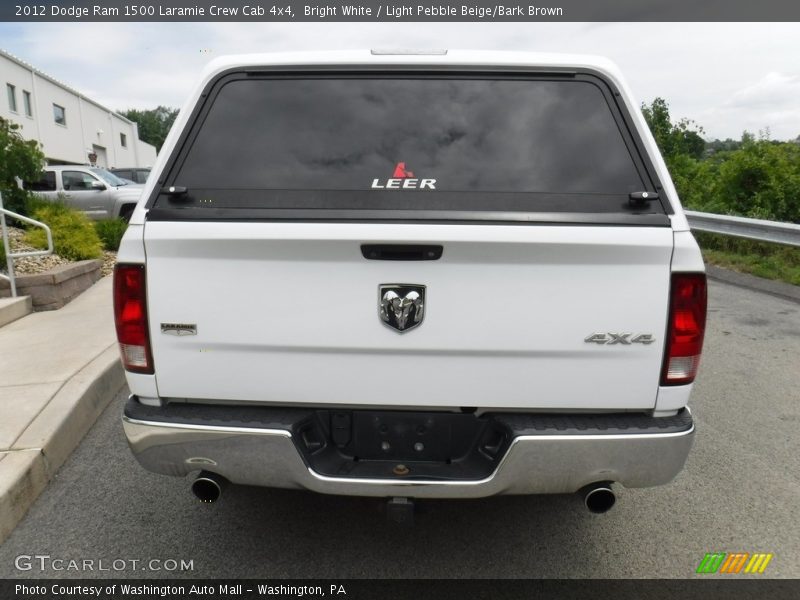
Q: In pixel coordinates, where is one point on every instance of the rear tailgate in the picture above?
(288, 313)
(522, 179)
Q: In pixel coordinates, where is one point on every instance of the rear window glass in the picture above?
(422, 143)
(47, 183)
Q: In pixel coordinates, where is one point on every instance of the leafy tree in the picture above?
(761, 179)
(722, 145)
(18, 158)
(682, 147)
(696, 182)
(154, 124)
(673, 139)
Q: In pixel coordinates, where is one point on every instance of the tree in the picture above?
(683, 147)
(761, 179)
(755, 177)
(673, 139)
(19, 158)
(154, 124)
(722, 145)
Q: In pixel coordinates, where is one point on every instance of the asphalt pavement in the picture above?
(738, 493)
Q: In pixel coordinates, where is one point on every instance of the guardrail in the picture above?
(10, 256)
(751, 229)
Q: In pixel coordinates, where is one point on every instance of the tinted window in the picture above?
(46, 184)
(76, 180)
(488, 144)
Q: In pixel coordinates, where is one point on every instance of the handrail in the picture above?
(743, 227)
(10, 256)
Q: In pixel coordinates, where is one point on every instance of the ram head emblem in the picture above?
(401, 306)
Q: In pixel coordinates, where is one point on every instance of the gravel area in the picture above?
(109, 260)
(39, 264)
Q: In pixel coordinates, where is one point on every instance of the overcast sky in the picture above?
(728, 77)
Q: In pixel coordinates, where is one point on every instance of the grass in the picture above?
(111, 232)
(771, 261)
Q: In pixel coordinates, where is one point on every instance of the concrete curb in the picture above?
(12, 309)
(48, 441)
(787, 291)
(58, 286)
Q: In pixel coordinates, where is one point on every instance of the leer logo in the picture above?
(403, 179)
(400, 171)
(722, 562)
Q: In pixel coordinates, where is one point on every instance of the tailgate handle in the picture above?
(401, 252)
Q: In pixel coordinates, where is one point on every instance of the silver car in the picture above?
(98, 193)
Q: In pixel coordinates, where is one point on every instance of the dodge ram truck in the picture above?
(411, 275)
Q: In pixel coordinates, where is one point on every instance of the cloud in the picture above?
(774, 90)
(769, 103)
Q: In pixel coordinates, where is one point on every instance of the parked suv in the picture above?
(411, 276)
(95, 191)
(137, 175)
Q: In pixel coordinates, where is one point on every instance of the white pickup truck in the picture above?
(442, 275)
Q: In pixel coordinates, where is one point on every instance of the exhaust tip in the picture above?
(600, 499)
(208, 487)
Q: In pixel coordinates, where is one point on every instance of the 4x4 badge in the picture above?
(610, 339)
(401, 306)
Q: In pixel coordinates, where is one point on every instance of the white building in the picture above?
(72, 128)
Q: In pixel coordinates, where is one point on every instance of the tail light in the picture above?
(130, 316)
(685, 329)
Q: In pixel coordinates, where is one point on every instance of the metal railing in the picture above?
(10, 256)
(751, 229)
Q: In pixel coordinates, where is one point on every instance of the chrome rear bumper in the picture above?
(538, 463)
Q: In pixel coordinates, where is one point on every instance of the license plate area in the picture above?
(401, 444)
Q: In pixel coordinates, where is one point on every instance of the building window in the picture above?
(59, 115)
(12, 97)
(123, 139)
(26, 100)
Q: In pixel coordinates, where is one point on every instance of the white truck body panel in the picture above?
(288, 313)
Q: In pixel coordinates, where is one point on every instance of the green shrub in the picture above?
(18, 158)
(111, 232)
(34, 202)
(74, 236)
